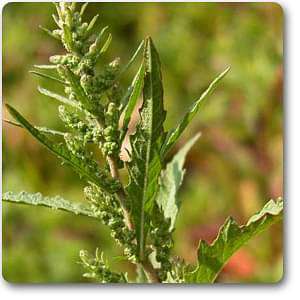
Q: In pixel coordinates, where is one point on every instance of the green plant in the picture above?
(142, 213)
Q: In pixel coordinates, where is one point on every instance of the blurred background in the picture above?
(234, 169)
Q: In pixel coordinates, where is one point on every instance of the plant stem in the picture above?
(114, 171)
(120, 194)
(147, 266)
(150, 272)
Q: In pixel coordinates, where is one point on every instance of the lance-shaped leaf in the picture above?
(47, 76)
(132, 59)
(41, 129)
(67, 38)
(80, 94)
(145, 166)
(91, 25)
(55, 203)
(170, 181)
(174, 134)
(59, 98)
(49, 32)
(212, 258)
(74, 82)
(133, 94)
(46, 67)
(83, 8)
(96, 176)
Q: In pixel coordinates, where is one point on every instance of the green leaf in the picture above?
(45, 67)
(145, 166)
(106, 44)
(132, 59)
(91, 24)
(170, 181)
(134, 92)
(83, 8)
(49, 32)
(60, 98)
(55, 203)
(48, 77)
(97, 177)
(231, 237)
(67, 38)
(174, 135)
(80, 94)
(42, 129)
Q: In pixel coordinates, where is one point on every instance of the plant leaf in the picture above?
(60, 98)
(134, 92)
(81, 96)
(174, 135)
(42, 129)
(67, 38)
(170, 181)
(106, 44)
(48, 32)
(145, 166)
(55, 203)
(97, 177)
(212, 258)
(45, 67)
(83, 8)
(48, 77)
(132, 59)
(91, 24)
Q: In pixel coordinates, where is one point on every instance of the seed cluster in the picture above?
(109, 211)
(98, 270)
(162, 241)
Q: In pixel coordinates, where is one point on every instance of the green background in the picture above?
(234, 168)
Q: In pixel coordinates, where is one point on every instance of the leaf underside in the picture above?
(134, 92)
(170, 182)
(231, 237)
(145, 166)
(55, 203)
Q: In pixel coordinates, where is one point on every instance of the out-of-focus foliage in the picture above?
(232, 170)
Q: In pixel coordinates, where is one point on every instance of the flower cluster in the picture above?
(98, 270)
(97, 93)
(109, 211)
(162, 242)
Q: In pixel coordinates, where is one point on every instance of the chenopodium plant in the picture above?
(142, 213)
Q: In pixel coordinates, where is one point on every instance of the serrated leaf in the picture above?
(58, 97)
(134, 92)
(85, 170)
(212, 258)
(55, 203)
(174, 135)
(170, 181)
(145, 166)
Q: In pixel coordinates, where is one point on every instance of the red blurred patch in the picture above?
(241, 265)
